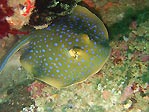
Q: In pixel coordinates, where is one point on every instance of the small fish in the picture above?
(68, 51)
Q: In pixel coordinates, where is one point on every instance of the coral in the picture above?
(90, 3)
(36, 89)
(22, 11)
(52, 9)
(29, 5)
(5, 11)
(18, 98)
(5, 27)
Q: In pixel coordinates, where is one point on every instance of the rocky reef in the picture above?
(121, 85)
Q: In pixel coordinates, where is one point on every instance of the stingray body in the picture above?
(68, 51)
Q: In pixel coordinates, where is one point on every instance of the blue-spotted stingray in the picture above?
(67, 52)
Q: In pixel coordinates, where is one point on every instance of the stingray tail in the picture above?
(13, 50)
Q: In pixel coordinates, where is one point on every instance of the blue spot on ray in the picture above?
(30, 57)
(51, 67)
(55, 44)
(57, 71)
(69, 43)
(56, 59)
(46, 64)
(77, 40)
(60, 64)
(43, 50)
(50, 58)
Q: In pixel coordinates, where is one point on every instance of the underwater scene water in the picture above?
(74, 56)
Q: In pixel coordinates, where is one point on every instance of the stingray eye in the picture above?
(74, 53)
